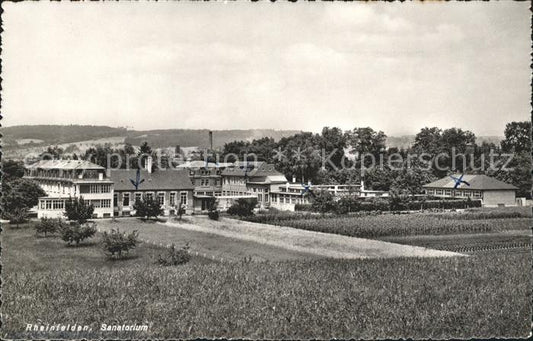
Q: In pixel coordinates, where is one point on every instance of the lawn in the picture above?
(483, 295)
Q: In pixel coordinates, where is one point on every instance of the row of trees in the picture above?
(302, 156)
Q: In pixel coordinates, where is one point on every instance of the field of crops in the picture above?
(381, 225)
(458, 297)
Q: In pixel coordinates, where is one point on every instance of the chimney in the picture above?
(362, 185)
(293, 179)
(148, 164)
(211, 140)
(100, 176)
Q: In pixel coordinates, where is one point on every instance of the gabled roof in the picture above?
(64, 164)
(169, 179)
(476, 181)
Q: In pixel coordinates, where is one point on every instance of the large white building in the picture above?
(62, 179)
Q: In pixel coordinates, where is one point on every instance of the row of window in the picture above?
(456, 193)
(126, 200)
(282, 199)
(59, 204)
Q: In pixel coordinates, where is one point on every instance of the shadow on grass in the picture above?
(81, 245)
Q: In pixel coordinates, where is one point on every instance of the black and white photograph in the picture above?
(279, 170)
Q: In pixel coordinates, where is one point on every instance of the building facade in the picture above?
(171, 188)
(251, 179)
(64, 179)
(490, 191)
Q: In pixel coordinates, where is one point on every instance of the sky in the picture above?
(396, 67)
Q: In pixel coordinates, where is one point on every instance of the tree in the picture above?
(517, 137)
(243, 207)
(115, 243)
(76, 232)
(18, 196)
(78, 210)
(148, 208)
(52, 153)
(48, 225)
(347, 204)
(12, 169)
(17, 215)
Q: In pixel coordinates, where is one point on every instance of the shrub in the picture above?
(323, 202)
(76, 232)
(303, 207)
(17, 216)
(213, 215)
(148, 208)
(175, 256)
(243, 207)
(76, 209)
(116, 243)
(347, 204)
(48, 225)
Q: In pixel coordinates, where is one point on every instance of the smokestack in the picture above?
(211, 140)
(148, 164)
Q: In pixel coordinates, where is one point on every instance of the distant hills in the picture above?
(17, 140)
(29, 138)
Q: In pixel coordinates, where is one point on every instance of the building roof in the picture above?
(159, 180)
(476, 181)
(64, 164)
(202, 164)
(252, 170)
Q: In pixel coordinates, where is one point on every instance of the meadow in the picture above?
(484, 295)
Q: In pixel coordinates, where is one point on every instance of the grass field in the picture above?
(484, 295)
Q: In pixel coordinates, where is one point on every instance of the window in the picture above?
(42, 204)
(438, 192)
(58, 204)
(115, 200)
(448, 192)
(149, 196)
(48, 204)
(93, 188)
(138, 196)
(477, 194)
(172, 198)
(161, 198)
(105, 203)
(125, 199)
(458, 193)
(183, 198)
(95, 203)
(266, 197)
(468, 194)
(105, 188)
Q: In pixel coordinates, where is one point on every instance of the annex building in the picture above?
(491, 191)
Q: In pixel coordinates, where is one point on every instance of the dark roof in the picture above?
(255, 169)
(159, 180)
(477, 182)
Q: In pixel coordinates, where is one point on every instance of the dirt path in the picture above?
(317, 243)
(209, 245)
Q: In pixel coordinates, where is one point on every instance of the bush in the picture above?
(17, 216)
(76, 232)
(76, 209)
(48, 225)
(148, 208)
(323, 202)
(116, 243)
(175, 256)
(303, 207)
(213, 215)
(243, 207)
